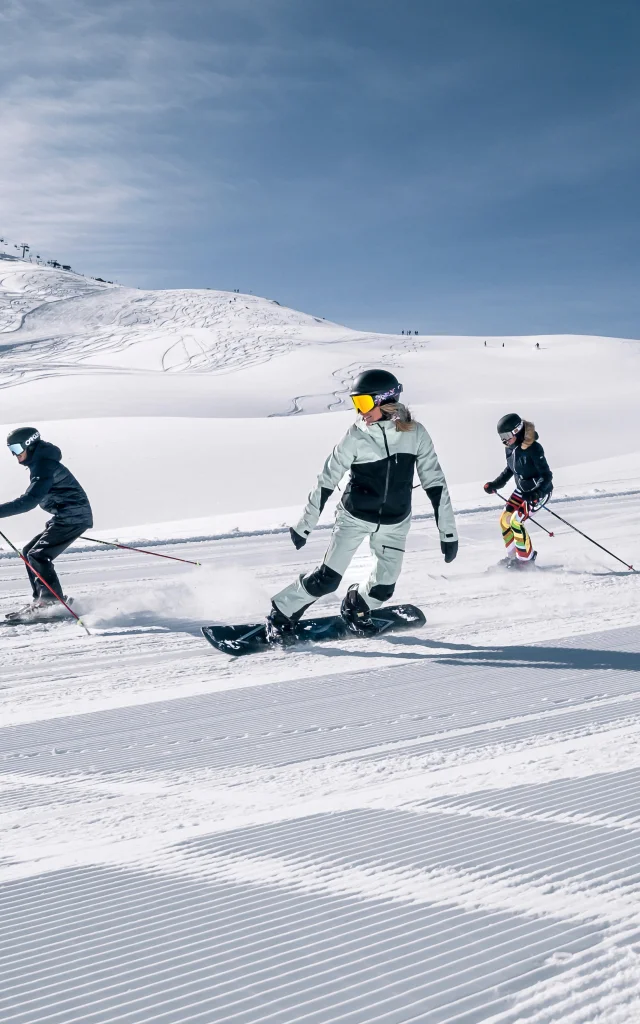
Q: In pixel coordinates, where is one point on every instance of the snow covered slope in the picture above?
(187, 404)
(440, 827)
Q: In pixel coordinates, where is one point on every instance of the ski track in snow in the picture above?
(160, 330)
(441, 827)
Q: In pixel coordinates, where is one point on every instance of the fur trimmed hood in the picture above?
(530, 435)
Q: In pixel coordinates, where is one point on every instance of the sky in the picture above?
(465, 167)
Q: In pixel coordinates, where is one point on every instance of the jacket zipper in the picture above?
(386, 481)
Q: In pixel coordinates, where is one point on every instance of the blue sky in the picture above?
(453, 166)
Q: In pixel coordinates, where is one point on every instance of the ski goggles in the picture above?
(16, 449)
(365, 403)
(508, 435)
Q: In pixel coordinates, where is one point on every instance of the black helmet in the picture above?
(510, 426)
(381, 385)
(22, 439)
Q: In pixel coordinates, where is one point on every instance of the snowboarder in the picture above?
(56, 490)
(526, 462)
(381, 451)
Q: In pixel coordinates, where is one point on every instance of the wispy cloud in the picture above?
(92, 96)
(86, 95)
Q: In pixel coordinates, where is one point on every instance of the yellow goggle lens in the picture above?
(363, 403)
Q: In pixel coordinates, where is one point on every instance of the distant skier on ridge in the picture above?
(381, 451)
(526, 462)
(56, 490)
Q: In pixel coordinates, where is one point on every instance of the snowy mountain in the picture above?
(229, 393)
(438, 826)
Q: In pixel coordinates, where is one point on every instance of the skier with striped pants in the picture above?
(527, 465)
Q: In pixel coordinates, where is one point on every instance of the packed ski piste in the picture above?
(381, 453)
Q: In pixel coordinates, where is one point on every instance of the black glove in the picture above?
(536, 498)
(449, 549)
(297, 539)
(489, 488)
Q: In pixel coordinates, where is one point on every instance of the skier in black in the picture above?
(56, 490)
(526, 462)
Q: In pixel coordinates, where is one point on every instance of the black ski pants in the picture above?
(41, 551)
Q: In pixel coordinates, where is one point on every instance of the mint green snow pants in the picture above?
(387, 545)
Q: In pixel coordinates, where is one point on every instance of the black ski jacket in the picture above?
(53, 488)
(526, 462)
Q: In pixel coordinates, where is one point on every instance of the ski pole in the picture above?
(42, 580)
(141, 551)
(530, 518)
(586, 537)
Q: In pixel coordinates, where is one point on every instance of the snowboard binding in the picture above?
(356, 613)
(280, 629)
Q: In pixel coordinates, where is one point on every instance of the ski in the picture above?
(52, 613)
(30, 621)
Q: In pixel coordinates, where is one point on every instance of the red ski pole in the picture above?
(50, 589)
(141, 551)
(530, 518)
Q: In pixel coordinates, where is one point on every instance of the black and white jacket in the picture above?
(381, 461)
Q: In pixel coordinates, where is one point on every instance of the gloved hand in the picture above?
(449, 549)
(297, 539)
(489, 488)
(536, 498)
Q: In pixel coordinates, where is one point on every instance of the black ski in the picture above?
(250, 638)
(35, 620)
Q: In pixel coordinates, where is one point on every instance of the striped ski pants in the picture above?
(514, 535)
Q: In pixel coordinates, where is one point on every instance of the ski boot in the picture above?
(356, 613)
(279, 628)
(524, 564)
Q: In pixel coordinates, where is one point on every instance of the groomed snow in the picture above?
(436, 827)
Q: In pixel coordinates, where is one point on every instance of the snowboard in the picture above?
(251, 638)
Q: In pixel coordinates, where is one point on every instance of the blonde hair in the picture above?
(400, 414)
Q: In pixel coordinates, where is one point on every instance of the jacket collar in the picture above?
(388, 426)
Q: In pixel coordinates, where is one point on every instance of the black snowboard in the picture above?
(251, 638)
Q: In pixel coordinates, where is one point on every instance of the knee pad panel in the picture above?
(382, 591)
(321, 581)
